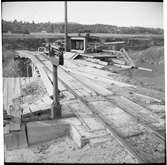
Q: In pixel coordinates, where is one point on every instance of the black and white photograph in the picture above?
(83, 82)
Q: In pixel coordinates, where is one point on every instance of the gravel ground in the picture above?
(150, 147)
(64, 150)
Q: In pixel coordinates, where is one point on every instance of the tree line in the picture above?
(27, 27)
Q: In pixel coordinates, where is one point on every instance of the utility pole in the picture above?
(66, 28)
(56, 107)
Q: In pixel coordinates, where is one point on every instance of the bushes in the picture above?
(11, 67)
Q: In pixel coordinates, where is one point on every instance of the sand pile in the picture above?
(152, 55)
(152, 58)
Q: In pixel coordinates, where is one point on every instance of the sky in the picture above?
(144, 14)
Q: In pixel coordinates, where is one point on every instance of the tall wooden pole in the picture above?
(66, 28)
(55, 107)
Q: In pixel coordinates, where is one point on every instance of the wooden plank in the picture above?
(26, 109)
(69, 55)
(127, 57)
(145, 69)
(40, 66)
(118, 61)
(46, 81)
(54, 60)
(60, 85)
(85, 63)
(47, 99)
(50, 75)
(81, 136)
(17, 88)
(111, 51)
(48, 64)
(94, 85)
(79, 117)
(22, 83)
(88, 121)
(74, 84)
(44, 77)
(138, 110)
(40, 105)
(96, 71)
(15, 82)
(93, 123)
(88, 69)
(103, 63)
(157, 108)
(28, 80)
(5, 95)
(123, 66)
(149, 92)
(148, 98)
(67, 96)
(15, 124)
(97, 55)
(10, 91)
(81, 109)
(70, 64)
(6, 128)
(105, 79)
(36, 108)
(77, 137)
(125, 124)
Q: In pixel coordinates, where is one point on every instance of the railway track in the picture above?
(126, 142)
(138, 119)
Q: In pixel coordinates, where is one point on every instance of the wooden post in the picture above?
(66, 28)
(56, 108)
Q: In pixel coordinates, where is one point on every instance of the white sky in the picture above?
(146, 14)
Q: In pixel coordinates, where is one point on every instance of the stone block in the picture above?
(41, 131)
(15, 139)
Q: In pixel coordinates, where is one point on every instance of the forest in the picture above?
(29, 27)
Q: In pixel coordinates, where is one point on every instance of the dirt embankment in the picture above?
(64, 150)
(152, 58)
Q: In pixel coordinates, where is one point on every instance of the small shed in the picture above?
(78, 44)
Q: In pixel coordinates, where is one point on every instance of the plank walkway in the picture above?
(89, 86)
(97, 79)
